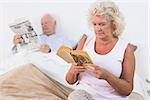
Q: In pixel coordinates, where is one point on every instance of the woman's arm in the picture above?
(73, 73)
(124, 84)
(71, 76)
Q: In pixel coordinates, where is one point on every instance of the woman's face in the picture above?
(102, 27)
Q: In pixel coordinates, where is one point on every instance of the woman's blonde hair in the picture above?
(110, 11)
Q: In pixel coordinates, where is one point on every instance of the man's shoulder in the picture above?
(43, 36)
(60, 37)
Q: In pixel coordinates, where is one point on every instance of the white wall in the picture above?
(71, 16)
(149, 40)
(1, 35)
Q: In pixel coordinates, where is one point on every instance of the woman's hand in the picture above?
(77, 69)
(99, 73)
(74, 71)
(45, 48)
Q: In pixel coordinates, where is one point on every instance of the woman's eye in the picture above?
(94, 24)
(101, 24)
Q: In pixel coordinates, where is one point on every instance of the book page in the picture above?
(78, 56)
(81, 57)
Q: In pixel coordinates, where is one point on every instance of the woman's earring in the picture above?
(114, 33)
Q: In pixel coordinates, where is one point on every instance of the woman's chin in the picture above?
(100, 36)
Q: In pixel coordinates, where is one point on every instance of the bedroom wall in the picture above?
(149, 40)
(71, 16)
(1, 35)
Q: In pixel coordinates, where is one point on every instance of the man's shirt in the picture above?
(54, 41)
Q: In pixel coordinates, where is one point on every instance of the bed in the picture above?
(47, 81)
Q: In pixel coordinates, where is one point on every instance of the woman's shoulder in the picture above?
(130, 47)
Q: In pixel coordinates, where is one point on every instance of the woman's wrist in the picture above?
(73, 76)
(106, 75)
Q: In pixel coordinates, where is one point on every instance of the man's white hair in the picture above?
(110, 11)
(50, 16)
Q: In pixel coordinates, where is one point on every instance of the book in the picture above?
(78, 56)
(23, 27)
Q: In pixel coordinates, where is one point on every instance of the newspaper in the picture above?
(23, 27)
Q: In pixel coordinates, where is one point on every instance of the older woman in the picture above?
(113, 58)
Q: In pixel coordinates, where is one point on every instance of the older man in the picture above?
(50, 40)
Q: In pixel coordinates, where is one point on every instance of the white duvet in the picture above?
(50, 64)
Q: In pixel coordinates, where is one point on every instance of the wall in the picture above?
(148, 40)
(1, 35)
(71, 16)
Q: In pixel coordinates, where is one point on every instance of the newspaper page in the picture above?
(23, 27)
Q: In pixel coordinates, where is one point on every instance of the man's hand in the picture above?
(45, 48)
(17, 39)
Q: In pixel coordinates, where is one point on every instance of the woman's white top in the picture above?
(112, 62)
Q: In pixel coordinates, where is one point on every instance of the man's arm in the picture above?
(14, 49)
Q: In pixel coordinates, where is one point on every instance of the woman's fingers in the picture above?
(78, 69)
(75, 64)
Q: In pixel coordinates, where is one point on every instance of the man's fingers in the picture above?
(44, 46)
(17, 37)
(20, 39)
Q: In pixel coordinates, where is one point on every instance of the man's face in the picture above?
(48, 25)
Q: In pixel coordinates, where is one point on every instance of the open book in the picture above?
(80, 57)
(23, 27)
